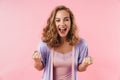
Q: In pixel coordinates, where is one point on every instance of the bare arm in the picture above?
(37, 61)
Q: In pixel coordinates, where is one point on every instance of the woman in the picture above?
(61, 53)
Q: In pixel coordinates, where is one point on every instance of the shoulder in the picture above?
(42, 45)
(82, 43)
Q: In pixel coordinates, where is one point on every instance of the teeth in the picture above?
(62, 28)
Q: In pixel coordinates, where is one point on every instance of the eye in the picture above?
(57, 20)
(67, 19)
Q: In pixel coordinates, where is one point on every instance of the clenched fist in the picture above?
(37, 59)
(85, 63)
(36, 56)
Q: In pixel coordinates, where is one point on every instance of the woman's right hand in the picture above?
(36, 56)
(37, 59)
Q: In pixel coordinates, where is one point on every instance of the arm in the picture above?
(83, 59)
(40, 56)
(81, 68)
(38, 66)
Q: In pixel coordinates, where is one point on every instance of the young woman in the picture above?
(61, 53)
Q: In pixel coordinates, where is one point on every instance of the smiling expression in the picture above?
(62, 23)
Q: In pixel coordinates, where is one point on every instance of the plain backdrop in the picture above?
(21, 24)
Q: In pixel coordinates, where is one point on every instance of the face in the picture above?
(62, 23)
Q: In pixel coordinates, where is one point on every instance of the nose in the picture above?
(61, 26)
(62, 23)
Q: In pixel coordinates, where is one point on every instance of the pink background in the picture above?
(21, 23)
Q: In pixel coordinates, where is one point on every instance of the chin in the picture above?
(63, 36)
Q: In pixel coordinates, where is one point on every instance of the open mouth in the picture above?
(62, 30)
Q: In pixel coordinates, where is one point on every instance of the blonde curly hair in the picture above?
(50, 34)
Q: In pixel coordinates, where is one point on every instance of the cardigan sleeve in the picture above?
(42, 49)
(83, 51)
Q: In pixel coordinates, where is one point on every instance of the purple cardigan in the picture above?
(80, 52)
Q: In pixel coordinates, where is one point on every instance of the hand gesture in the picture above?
(87, 61)
(36, 56)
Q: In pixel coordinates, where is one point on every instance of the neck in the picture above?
(63, 40)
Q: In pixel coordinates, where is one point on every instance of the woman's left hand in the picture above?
(85, 63)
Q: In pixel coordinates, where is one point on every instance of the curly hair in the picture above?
(50, 35)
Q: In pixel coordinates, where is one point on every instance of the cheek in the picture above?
(56, 26)
(69, 29)
(69, 25)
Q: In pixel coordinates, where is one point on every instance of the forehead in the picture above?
(62, 14)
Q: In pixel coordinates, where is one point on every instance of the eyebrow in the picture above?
(64, 17)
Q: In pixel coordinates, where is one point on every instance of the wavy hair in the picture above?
(50, 34)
